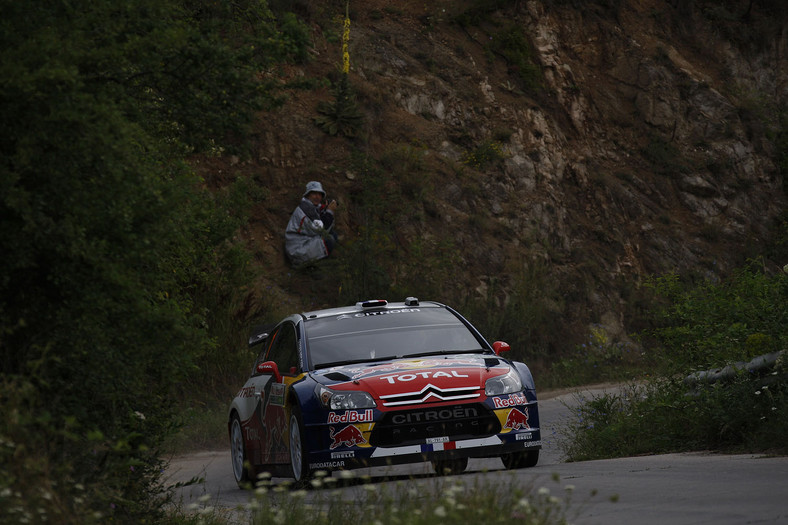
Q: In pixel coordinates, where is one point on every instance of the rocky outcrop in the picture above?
(647, 149)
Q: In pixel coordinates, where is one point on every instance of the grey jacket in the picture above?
(304, 233)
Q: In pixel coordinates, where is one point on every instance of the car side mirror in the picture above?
(269, 367)
(500, 347)
(256, 339)
(260, 334)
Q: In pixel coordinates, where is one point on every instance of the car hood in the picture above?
(409, 381)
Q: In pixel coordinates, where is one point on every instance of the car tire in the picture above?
(242, 471)
(449, 467)
(517, 460)
(299, 465)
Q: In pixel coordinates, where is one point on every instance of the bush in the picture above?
(747, 414)
(116, 260)
(700, 327)
(711, 324)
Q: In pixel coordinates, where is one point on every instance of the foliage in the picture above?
(449, 500)
(746, 414)
(512, 43)
(703, 326)
(597, 360)
(781, 146)
(486, 153)
(405, 164)
(526, 313)
(116, 261)
(366, 250)
(712, 323)
(376, 260)
(341, 116)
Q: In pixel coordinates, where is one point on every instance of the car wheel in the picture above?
(241, 469)
(298, 460)
(449, 467)
(520, 459)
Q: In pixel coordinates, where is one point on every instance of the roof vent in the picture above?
(411, 301)
(373, 303)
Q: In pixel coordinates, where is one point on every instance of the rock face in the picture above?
(647, 146)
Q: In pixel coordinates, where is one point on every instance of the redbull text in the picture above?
(351, 416)
(512, 400)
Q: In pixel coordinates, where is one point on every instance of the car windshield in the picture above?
(384, 334)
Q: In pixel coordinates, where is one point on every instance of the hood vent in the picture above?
(491, 362)
(337, 376)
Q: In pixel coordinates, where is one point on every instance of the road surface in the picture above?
(679, 489)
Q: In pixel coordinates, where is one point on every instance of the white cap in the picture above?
(314, 186)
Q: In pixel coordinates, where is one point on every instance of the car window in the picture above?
(387, 333)
(284, 349)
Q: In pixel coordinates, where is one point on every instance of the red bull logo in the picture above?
(349, 436)
(352, 416)
(517, 419)
(512, 400)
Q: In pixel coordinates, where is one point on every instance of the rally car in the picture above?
(380, 383)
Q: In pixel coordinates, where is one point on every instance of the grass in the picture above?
(487, 153)
(202, 428)
(746, 414)
(352, 499)
(597, 360)
(700, 326)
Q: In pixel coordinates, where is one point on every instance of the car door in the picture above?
(282, 350)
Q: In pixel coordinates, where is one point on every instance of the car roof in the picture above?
(371, 305)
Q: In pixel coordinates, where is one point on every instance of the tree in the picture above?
(107, 236)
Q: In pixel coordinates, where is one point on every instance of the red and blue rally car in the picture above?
(380, 383)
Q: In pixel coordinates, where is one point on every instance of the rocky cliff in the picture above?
(621, 139)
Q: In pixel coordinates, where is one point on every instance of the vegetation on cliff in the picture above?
(142, 196)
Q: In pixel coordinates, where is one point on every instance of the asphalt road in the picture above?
(677, 489)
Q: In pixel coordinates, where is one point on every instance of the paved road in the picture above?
(678, 489)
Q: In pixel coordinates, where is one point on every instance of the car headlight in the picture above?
(343, 400)
(507, 383)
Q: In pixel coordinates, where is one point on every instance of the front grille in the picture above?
(455, 422)
(430, 393)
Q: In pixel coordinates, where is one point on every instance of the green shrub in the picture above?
(450, 500)
(710, 324)
(486, 153)
(746, 414)
(699, 327)
(513, 45)
(597, 360)
(118, 264)
(340, 116)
